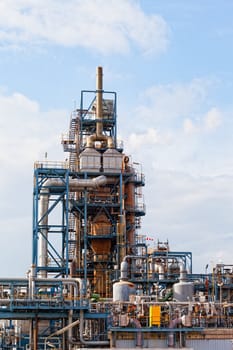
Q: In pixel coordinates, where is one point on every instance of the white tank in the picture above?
(122, 290)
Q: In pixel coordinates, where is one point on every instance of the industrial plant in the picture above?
(94, 282)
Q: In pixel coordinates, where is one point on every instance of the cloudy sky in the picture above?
(170, 63)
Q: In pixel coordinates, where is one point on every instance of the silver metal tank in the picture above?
(122, 290)
(183, 290)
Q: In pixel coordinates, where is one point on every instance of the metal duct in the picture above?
(75, 184)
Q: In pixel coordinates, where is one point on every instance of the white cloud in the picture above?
(26, 132)
(173, 128)
(189, 126)
(170, 102)
(105, 26)
(175, 112)
(147, 139)
(212, 119)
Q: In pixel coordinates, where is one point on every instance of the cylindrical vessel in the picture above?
(183, 291)
(122, 290)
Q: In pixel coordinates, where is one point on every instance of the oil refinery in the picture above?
(94, 282)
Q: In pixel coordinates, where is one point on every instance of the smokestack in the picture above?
(99, 101)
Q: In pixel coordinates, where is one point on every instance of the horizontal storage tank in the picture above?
(90, 160)
(112, 161)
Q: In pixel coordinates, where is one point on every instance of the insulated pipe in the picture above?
(77, 283)
(77, 184)
(134, 257)
(44, 204)
(32, 277)
(74, 185)
(92, 138)
(124, 271)
(62, 330)
(69, 282)
(183, 273)
(65, 281)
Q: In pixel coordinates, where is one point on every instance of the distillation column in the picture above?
(98, 219)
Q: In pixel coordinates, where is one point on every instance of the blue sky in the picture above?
(170, 63)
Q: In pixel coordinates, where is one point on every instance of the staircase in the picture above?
(70, 141)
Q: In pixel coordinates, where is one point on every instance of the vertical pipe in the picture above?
(121, 231)
(70, 330)
(99, 102)
(43, 238)
(85, 242)
(32, 276)
(35, 221)
(66, 224)
(31, 344)
(35, 335)
(63, 335)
